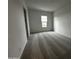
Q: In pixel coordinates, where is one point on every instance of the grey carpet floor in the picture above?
(47, 45)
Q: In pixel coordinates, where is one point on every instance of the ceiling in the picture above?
(46, 5)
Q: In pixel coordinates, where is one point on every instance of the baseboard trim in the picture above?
(13, 57)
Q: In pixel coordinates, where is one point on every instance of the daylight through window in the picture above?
(44, 21)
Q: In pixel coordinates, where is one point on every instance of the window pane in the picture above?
(44, 24)
(44, 21)
(44, 18)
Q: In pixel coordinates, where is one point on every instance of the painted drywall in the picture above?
(62, 20)
(35, 21)
(46, 5)
(17, 37)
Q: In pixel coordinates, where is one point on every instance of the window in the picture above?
(44, 21)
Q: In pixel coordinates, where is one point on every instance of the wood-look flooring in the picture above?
(47, 45)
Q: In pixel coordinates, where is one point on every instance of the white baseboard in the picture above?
(13, 58)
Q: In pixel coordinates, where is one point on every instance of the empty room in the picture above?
(39, 29)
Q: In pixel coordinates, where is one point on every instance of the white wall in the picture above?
(16, 29)
(62, 20)
(35, 20)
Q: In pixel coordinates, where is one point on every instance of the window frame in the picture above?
(44, 21)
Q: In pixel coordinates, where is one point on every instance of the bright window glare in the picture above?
(44, 21)
(43, 18)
